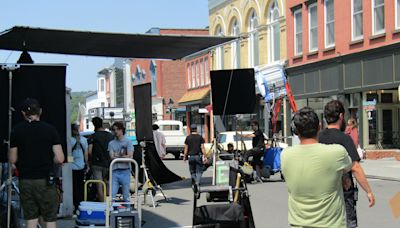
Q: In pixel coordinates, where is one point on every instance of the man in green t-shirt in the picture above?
(313, 174)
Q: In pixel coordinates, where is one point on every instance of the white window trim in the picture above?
(309, 27)
(252, 36)
(373, 19)
(189, 76)
(234, 46)
(206, 71)
(271, 39)
(356, 38)
(325, 25)
(396, 14)
(299, 11)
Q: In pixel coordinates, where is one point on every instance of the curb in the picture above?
(382, 178)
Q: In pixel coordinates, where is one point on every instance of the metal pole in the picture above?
(10, 109)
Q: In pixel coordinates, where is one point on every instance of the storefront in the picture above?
(366, 82)
(198, 110)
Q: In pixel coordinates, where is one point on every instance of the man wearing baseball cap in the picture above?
(35, 148)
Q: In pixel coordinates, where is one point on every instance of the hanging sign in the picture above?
(369, 105)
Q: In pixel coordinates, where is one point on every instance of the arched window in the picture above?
(235, 46)
(253, 39)
(274, 32)
(220, 50)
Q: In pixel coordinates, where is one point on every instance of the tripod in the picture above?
(149, 184)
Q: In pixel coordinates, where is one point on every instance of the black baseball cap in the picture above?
(31, 106)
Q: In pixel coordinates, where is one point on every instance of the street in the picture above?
(268, 200)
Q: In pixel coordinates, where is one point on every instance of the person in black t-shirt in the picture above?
(334, 116)
(258, 143)
(35, 148)
(194, 149)
(98, 154)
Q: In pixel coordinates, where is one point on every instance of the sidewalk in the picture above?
(385, 169)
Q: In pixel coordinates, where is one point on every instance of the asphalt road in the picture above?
(268, 201)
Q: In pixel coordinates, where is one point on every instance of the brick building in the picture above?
(348, 50)
(168, 78)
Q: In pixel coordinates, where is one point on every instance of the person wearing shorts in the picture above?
(36, 146)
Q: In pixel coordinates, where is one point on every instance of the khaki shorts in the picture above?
(100, 173)
(39, 200)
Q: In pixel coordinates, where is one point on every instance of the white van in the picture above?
(175, 135)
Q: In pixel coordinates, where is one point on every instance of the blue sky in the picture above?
(127, 16)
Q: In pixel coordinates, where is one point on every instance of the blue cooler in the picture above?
(92, 212)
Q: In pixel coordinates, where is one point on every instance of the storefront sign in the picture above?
(203, 110)
(369, 105)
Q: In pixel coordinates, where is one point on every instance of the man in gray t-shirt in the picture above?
(120, 147)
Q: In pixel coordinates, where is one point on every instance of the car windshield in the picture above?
(171, 127)
(223, 138)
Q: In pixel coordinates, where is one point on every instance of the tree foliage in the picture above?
(77, 98)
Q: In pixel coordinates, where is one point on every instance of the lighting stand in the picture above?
(10, 68)
(148, 179)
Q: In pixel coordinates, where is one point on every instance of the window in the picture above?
(397, 14)
(101, 85)
(197, 74)
(201, 73)
(138, 73)
(357, 19)
(275, 35)
(206, 70)
(102, 104)
(313, 27)
(220, 51)
(298, 33)
(378, 19)
(193, 77)
(253, 39)
(189, 80)
(329, 24)
(235, 46)
(153, 76)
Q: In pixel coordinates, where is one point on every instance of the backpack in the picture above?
(100, 155)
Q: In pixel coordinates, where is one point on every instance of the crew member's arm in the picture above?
(185, 153)
(129, 151)
(58, 154)
(359, 174)
(86, 152)
(358, 171)
(248, 135)
(90, 149)
(13, 155)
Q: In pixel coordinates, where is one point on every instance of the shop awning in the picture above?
(194, 96)
(106, 44)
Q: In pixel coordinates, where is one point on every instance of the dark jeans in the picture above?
(351, 206)
(256, 153)
(196, 167)
(77, 187)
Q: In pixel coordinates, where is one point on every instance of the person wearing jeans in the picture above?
(120, 147)
(194, 149)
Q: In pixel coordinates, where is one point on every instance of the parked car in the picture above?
(224, 138)
(175, 135)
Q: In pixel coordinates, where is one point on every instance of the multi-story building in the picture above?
(108, 98)
(261, 28)
(197, 97)
(348, 50)
(167, 78)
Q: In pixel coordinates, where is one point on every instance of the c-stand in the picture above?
(148, 181)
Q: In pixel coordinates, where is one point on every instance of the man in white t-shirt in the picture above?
(159, 141)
